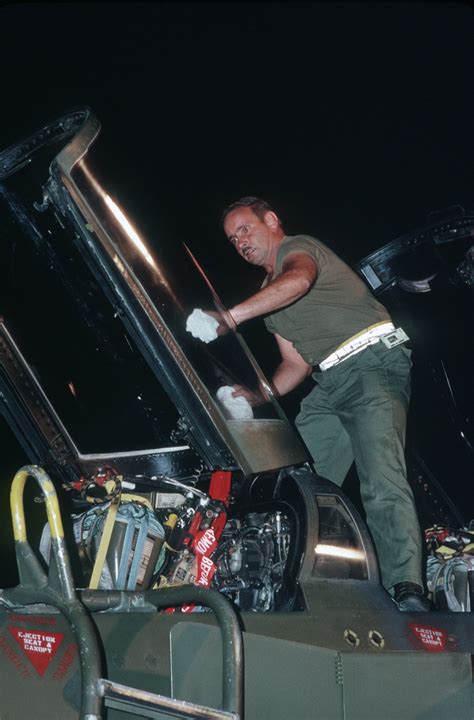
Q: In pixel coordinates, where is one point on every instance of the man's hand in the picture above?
(207, 326)
(253, 398)
(225, 320)
(235, 408)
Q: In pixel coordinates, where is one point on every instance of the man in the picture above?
(326, 322)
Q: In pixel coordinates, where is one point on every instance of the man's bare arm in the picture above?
(292, 370)
(290, 373)
(298, 275)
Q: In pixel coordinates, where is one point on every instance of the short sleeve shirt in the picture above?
(338, 306)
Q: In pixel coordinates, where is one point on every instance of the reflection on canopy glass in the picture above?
(168, 276)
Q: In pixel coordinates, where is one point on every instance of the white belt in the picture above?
(357, 343)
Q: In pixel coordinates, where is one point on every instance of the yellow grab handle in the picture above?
(51, 499)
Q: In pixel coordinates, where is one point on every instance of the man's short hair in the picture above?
(257, 205)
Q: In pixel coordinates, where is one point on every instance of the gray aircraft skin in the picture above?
(100, 383)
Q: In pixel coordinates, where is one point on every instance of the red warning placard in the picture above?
(430, 638)
(39, 647)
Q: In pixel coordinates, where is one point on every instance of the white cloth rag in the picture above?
(237, 408)
(202, 326)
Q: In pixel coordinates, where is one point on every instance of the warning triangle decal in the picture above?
(430, 638)
(39, 647)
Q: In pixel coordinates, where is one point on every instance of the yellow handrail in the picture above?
(51, 499)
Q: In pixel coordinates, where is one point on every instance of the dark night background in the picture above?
(353, 119)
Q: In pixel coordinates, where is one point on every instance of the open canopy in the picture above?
(112, 353)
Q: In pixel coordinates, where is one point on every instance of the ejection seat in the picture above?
(56, 589)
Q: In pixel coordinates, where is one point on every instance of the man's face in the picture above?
(253, 238)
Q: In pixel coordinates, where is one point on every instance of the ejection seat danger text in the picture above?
(39, 647)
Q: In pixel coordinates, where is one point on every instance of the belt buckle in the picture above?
(394, 338)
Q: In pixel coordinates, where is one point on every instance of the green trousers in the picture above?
(357, 411)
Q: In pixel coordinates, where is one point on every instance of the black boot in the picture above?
(409, 597)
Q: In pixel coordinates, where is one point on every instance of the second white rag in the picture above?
(238, 408)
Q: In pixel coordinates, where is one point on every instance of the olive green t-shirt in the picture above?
(338, 306)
